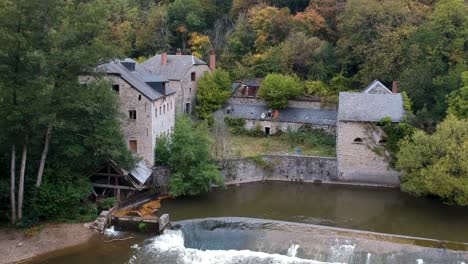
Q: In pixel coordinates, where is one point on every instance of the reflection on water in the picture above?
(370, 209)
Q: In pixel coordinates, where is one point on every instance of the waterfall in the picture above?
(292, 250)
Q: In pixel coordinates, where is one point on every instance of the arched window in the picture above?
(358, 140)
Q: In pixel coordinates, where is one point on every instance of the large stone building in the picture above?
(357, 133)
(147, 102)
(183, 72)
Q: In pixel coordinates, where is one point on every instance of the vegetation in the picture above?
(458, 100)
(213, 91)
(162, 151)
(276, 89)
(437, 164)
(194, 172)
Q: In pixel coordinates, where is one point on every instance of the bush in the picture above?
(162, 150)
(213, 91)
(107, 203)
(235, 125)
(277, 89)
(310, 137)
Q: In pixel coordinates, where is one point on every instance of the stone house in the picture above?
(147, 103)
(357, 132)
(291, 118)
(183, 73)
(246, 88)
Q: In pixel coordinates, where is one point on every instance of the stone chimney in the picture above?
(212, 60)
(178, 52)
(164, 58)
(395, 87)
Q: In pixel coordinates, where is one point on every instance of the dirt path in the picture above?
(15, 246)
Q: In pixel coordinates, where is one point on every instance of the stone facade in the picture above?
(357, 162)
(186, 89)
(308, 104)
(275, 127)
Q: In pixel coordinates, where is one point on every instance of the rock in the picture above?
(104, 213)
(163, 222)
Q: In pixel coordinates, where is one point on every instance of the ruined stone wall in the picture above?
(299, 103)
(279, 168)
(357, 162)
(276, 127)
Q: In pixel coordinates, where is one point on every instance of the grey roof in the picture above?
(293, 115)
(175, 69)
(140, 172)
(370, 107)
(376, 87)
(137, 78)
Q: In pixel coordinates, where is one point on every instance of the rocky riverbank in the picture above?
(15, 246)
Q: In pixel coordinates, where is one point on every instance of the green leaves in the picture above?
(213, 91)
(276, 89)
(193, 170)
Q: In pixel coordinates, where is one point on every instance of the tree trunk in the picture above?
(12, 184)
(43, 157)
(21, 181)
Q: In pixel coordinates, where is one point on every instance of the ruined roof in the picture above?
(370, 107)
(175, 69)
(137, 78)
(376, 87)
(292, 115)
(140, 172)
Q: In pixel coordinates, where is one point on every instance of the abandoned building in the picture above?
(246, 88)
(357, 134)
(183, 72)
(111, 180)
(274, 121)
(146, 100)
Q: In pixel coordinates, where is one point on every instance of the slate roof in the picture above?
(377, 87)
(370, 107)
(140, 172)
(291, 115)
(137, 78)
(175, 69)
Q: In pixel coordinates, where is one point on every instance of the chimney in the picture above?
(178, 52)
(164, 58)
(395, 87)
(212, 60)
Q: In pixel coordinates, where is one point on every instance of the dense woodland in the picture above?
(54, 130)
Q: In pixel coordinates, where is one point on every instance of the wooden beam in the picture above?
(114, 187)
(107, 174)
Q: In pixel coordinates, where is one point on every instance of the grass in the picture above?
(247, 146)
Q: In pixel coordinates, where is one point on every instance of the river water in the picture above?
(290, 231)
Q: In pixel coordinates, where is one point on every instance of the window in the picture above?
(382, 141)
(156, 112)
(133, 146)
(187, 108)
(171, 105)
(267, 131)
(193, 76)
(139, 97)
(190, 90)
(164, 109)
(116, 88)
(358, 140)
(132, 114)
(160, 112)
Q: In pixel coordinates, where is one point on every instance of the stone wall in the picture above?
(160, 177)
(186, 89)
(357, 162)
(279, 168)
(276, 127)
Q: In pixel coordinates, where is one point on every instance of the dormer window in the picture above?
(193, 76)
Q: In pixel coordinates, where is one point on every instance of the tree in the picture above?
(276, 89)
(213, 91)
(458, 100)
(193, 170)
(162, 151)
(437, 164)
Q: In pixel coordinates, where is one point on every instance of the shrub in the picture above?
(107, 203)
(235, 125)
(277, 89)
(162, 150)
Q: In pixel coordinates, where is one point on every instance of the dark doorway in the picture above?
(187, 108)
(267, 131)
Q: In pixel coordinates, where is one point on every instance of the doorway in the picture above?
(267, 131)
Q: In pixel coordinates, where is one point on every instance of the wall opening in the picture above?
(116, 88)
(267, 131)
(187, 108)
(358, 140)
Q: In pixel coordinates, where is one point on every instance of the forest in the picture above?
(54, 130)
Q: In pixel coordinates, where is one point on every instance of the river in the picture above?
(290, 231)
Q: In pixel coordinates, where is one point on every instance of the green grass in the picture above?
(247, 146)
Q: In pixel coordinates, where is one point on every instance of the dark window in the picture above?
(116, 88)
(187, 108)
(382, 141)
(132, 114)
(193, 76)
(164, 109)
(139, 97)
(358, 140)
(267, 131)
(156, 112)
(133, 146)
(160, 112)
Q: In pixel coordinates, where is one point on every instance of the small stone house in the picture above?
(147, 103)
(183, 73)
(357, 132)
(274, 121)
(246, 88)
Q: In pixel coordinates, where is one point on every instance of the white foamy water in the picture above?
(111, 232)
(292, 250)
(169, 248)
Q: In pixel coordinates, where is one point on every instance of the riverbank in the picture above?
(15, 246)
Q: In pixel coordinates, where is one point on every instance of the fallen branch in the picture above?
(118, 239)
